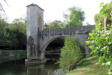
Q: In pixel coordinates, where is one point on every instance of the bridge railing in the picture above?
(67, 31)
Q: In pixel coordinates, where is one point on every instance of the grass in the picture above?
(89, 66)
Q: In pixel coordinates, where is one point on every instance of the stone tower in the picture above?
(34, 26)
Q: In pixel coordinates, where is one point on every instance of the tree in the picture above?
(54, 25)
(71, 53)
(3, 24)
(13, 35)
(100, 39)
(105, 12)
(75, 18)
(20, 25)
(18, 33)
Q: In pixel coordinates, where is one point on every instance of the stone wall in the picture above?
(68, 31)
(47, 36)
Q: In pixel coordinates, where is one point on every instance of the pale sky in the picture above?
(53, 9)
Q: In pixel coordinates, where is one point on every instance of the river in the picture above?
(22, 69)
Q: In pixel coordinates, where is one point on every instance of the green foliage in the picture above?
(101, 44)
(19, 25)
(54, 25)
(75, 18)
(100, 40)
(101, 4)
(13, 35)
(106, 11)
(70, 54)
(3, 24)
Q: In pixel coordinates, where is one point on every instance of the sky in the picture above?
(53, 9)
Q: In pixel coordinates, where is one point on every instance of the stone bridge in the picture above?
(38, 39)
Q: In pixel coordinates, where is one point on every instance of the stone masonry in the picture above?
(38, 39)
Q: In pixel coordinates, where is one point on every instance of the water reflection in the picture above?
(57, 72)
(36, 70)
(12, 69)
(21, 69)
(43, 70)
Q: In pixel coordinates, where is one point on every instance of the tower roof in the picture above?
(35, 5)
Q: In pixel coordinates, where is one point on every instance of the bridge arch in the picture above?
(51, 39)
(53, 48)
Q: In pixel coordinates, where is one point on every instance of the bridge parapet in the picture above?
(68, 31)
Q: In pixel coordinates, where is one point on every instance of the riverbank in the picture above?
(89, 66)
(11, 55)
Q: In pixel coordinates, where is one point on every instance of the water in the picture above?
(21, 69)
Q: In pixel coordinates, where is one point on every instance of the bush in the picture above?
(71, 53)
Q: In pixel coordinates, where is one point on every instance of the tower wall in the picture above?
(34, 26)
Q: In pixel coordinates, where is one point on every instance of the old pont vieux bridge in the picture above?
(38, 39)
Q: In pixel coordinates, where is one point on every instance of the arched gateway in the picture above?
(38, 39)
